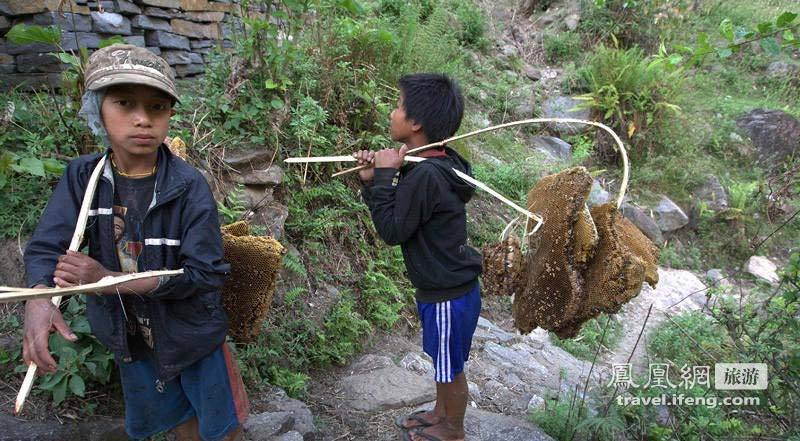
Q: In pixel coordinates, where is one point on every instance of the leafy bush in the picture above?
(631, 94)
(585, 345)
(559, 47)
(83, 365)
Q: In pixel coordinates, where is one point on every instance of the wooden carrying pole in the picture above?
(623, 153)
(77, 238)
(538, 219)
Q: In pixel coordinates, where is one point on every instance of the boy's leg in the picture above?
(148, 411)
(448, 328)
(214, 387)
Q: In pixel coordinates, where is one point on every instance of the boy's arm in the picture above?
(399, 207)
(201, 251)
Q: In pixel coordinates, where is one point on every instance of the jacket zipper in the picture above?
(160, 383)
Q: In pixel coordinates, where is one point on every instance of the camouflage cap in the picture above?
(126, 64)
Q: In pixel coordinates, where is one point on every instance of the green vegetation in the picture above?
(585, 345)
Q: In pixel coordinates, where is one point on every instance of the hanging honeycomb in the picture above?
(503, 270)
(247, 293)
(556, 254)
(624, 259)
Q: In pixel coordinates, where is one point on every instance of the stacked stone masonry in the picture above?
(184, 32)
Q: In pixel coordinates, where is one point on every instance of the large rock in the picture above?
(151, 24)
(775, 134)
(763, 268)
(195, 30)
(38, 63)
(481, 425)
(564, 107)
(418, 363)
(300, 419)
(12, 268)
(555, 148)
(597, 195)
(266, 425)
(489, 332)
(66, 21)
(668, 215)
(251, 159)
(111, 23)
(784, 70)
(96, 429)
(185, 70)
(271, 176)
(30, 82)
(25, 7)
(174, 57)
(386, 388)
(166, 40)
(643, 222)
(205, 17)
(169, 4)
(72, 41)
(4, 24)
(272, 217)
(519, 359)
(127, 7)
(712, 194)
(161, 13)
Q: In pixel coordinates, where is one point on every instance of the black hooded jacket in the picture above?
(421, 207)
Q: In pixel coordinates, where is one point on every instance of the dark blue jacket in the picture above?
(181, 230)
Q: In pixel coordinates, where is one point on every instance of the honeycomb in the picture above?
(503, 272)
(554, 289)
(624, 259)
(255, 263)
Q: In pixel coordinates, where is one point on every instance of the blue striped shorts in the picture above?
(447, 330)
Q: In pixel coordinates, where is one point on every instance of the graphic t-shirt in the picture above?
(132, 197)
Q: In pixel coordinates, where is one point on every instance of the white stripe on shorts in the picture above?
(443, 320)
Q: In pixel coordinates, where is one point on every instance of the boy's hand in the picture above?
(76, 268)
(390, 158)
(365, 157)
(41, 317)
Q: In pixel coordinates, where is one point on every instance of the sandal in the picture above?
(414, 416)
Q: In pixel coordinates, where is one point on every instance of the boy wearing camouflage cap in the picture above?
(151, 211)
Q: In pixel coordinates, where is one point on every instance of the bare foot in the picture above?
(423, 419)
(442, 431)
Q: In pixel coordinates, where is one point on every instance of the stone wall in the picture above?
(184, 32)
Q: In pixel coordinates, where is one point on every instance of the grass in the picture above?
(584, 346)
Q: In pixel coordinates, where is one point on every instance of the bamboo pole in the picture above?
(10, 294)
(538, 219)
(623, 152)
(77, 238)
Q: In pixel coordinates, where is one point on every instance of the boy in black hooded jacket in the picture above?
(421, 207)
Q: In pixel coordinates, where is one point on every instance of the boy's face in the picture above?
(136, 118)
(400, 127)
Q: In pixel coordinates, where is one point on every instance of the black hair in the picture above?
(433, 101)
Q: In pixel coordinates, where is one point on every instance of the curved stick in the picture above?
(77, 238)
(625, 166)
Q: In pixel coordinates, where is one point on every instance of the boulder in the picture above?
(110, 23)
(555, 148)
(643, 222)
(151, 24)
(565, 107)
(668, 215)
(66, 21)
(597, 195)
(38, 63)
(386, 388)
(418, 363)
(166, 40)
(775, 134)
(712, 194)
(763, 268)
